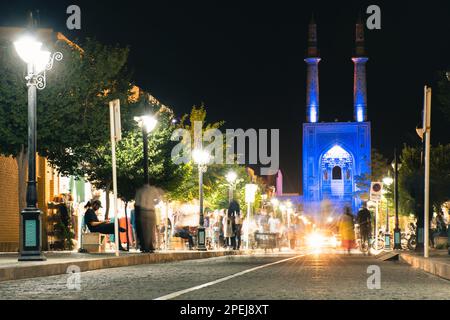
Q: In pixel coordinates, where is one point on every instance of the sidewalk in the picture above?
(59, 262)
(438, 262)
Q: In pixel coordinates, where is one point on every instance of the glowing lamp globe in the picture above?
(148, 122)
(201, 157)
(231, 177)
(274, 202)
(28, 48)
(41, 61)
(388, 181)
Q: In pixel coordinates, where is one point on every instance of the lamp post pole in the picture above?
(387, 235)
(31, 219)
(38, 62)
(201, 158)
(231, 178)
(145, 140)
(201, 229)
(397, 235)
(147, 123)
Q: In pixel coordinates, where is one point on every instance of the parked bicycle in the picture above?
(375, 244)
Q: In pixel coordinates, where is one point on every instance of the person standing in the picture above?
(273, 224)
(364, 220)
(227, 229)
(346, 228)
(235, 212)
(146, 217)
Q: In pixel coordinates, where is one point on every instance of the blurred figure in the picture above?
(346, 229)
(364, 220)
(227, 229)
(184, 233)
(234, 211)
(146, 199)
(292, 232)
(273, 224)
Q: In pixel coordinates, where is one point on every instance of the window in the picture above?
(337, 173)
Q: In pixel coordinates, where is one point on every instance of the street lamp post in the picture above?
(38, 62)
(447, 74)
(397, 232)
(231, 178)
(147, 124)
(387, 236)
(201, 158)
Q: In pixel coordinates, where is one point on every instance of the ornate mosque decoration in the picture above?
(334, 153)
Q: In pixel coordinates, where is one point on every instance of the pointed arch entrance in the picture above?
(337, 174)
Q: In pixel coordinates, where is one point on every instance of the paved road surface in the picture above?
(272, 276)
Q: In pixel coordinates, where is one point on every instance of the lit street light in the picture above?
(231, 178)
(387, 236)
(147, 124)
(38, 62)
(201, 158)
(397, 235)
(274, 202)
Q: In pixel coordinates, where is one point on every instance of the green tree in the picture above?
(379, 169)
(214, 181)
(72, 113)
(411, 180)
(443, 94)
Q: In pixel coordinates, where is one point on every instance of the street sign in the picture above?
(376, 189)
(116, 135)
(250, 192)
(115, 104)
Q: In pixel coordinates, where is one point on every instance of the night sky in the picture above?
(245, 61)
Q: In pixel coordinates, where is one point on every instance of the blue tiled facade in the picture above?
(335, 153)
(352, 159)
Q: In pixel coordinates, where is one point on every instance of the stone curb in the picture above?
(440, 269)
(51, 269)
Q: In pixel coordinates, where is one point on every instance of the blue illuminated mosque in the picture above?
(335, 153)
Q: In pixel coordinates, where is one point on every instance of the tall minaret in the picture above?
(312, 81)
(359, 77)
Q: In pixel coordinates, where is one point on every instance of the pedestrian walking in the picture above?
(346, 228)
(146, 217)
(364, 220)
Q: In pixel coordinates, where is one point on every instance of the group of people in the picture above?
(223, 228)
(144, 221)
(347, 227)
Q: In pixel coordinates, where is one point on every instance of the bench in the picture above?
(177, 243)
(93, 242)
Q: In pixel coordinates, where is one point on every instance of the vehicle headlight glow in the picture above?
(315, 240)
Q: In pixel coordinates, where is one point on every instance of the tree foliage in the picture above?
(443, 94)
(379, 169)
(72, 112)
(214, 181)
(411, 179)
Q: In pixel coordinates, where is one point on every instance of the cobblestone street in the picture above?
(271, 276)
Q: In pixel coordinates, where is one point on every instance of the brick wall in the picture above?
(9, 205)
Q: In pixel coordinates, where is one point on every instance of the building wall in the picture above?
(9, 205)
(318, 138)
